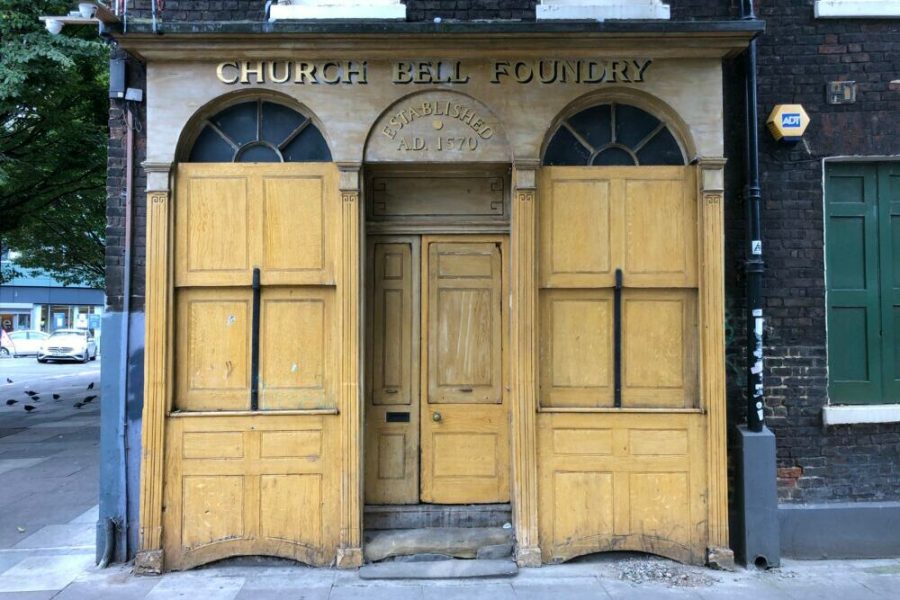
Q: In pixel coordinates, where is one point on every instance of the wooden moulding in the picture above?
(156, 381)
(524, 364)
(349, 554)
(712, 341)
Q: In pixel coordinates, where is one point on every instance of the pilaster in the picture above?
(523, 361)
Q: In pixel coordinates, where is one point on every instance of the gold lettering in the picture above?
(549, 77)
(272, 68)
(618, 71)
(456, 74)
(569, 71)
(220, 72)
(402, 73)
(304, 72)
(523, 72)
(423, 73)
(246, 71)
(331, 80)
(353, 69)
(593, 75)
(641, 67)
(500, 68)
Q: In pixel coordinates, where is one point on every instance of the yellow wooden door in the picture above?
(621, 467)
(239, 478)
(392, 387)
(464, 415)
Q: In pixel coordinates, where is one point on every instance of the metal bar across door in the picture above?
(617, 340)
(254, 344)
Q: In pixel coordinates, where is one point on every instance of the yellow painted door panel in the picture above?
(259, 484)
(622, 482)
(297, 357)
(392, 390)
(237, 480)
(464, 417)
(632, 475)
(594, 220)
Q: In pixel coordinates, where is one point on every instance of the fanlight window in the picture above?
(613, 135)
(259, 131)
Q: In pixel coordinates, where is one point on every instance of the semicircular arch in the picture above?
(254, 126)
(615, 127)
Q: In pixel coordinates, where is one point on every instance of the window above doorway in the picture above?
(613, 135)
(259, 131)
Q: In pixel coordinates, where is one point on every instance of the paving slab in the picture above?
(377, 592)
(91, 516)
(586, 589)
(26, 595)
(10, 464)
(57, 536)
(494, 591)
(44, 573)
(439, 569)
(196, 587)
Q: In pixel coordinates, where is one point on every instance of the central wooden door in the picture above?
(437, 425)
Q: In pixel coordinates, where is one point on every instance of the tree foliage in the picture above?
(53, 141)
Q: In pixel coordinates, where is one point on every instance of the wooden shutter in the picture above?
(854, 320)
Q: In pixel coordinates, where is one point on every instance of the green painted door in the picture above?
(863, 279)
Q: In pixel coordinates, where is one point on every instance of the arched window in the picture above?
(259, 131)
(613, 135)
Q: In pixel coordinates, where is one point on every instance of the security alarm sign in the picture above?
(787, 122)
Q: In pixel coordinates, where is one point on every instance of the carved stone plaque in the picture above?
(437, 127)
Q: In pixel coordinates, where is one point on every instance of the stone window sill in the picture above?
(856, 9)
(870, 413)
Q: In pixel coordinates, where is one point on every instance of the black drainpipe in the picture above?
(753, 264)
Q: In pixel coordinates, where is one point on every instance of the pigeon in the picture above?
(89, 399)
(8, 380)
(10, 402)
(36, 398)
(31, 393)
(91, 385)
(29, 407)
(56, 396)
(78, 405)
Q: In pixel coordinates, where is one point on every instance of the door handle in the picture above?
(436, 417)
(466, 390)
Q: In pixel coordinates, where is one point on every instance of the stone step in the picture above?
(439, 569)
(458, 542)
(416, 516)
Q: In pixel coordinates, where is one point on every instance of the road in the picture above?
(49, 460)
(67, 380)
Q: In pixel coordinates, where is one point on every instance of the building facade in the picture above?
(34, 300)
(449, 263)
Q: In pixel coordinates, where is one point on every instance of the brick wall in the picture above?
(115, 205)
(798, 55)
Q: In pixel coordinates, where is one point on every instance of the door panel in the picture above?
(464, 421)
(464, 323)
(392, 391)
(239, 479)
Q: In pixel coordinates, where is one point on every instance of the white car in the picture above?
(68, 344)
(22, 342)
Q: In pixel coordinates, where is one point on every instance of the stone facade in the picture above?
(797, 56)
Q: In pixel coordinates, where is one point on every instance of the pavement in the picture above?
(48, 512)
